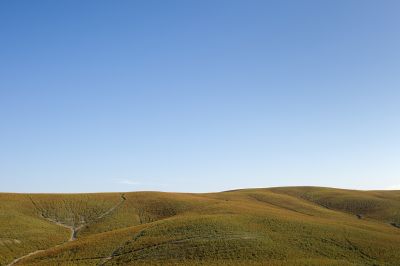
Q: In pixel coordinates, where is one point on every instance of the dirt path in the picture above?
(74, 230)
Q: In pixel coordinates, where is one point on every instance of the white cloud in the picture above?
(395, 187)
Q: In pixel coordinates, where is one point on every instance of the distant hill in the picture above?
(272, 226)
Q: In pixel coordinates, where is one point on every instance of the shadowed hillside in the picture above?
(275, 226)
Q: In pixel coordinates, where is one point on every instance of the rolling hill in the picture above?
(271, 226)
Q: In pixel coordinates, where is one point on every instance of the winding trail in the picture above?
(74, 230)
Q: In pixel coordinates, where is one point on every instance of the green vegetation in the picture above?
(275, 226)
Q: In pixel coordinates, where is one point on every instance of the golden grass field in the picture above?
(272, 226)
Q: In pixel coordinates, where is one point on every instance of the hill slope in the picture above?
(275, 226)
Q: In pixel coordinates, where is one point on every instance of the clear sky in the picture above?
(198, 95)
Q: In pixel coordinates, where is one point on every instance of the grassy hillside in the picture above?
(276, 226)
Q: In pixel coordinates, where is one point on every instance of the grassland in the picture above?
(273, 226)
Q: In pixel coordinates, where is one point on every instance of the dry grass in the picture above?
(277, 226)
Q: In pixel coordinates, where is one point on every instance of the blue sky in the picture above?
(198, 95)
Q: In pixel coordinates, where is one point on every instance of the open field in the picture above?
(272, 226)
